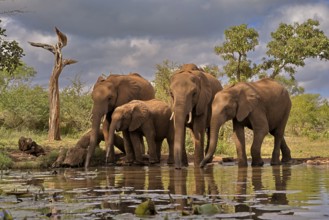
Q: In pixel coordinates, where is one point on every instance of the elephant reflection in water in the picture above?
(281, 175)
(203, 182)
(177, 186)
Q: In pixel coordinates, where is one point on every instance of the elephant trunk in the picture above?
(214, 129)
(110, 156)
(93, 137)
(179, 139)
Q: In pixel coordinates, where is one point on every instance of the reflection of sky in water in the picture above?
(280, 192)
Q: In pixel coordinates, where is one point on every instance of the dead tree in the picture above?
(60, 63)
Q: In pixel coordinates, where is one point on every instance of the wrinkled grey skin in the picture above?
(262, 106)
(136, 119)
(110, 93)
(192, 92)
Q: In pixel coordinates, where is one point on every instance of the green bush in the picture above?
(22, 106)
(309, 116)
(5, 161)
(76, 106)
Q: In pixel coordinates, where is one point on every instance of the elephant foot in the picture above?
(139, 163)
(286, 160)
(259, 163)
(275, 162)
(111, 164)
(154, 162)
(170, 161)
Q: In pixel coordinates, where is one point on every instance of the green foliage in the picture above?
(212, 69)
(76, 105)
(21, 74)
(23, 106)
(10, 53)
(162, 79)
(5, 161)
(292, 44)
(309, 116)
(239, 40)
(288, 49)
(291, 85)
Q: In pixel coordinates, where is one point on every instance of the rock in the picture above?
(27, 145)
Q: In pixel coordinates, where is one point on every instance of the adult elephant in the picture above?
(262, 106)
(110, 93)
(192, 92)
(142, 118)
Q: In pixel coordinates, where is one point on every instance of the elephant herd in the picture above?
(200, 103)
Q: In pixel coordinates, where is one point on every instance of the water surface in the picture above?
(269, 192)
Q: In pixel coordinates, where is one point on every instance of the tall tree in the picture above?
(292, 44)
(59, 64)
(239, 40)
(10, 53)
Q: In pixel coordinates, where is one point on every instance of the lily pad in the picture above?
(206, 209)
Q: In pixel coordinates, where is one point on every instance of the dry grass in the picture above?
(301, 147)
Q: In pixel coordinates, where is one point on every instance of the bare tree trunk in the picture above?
(54, 109)
(60, 63)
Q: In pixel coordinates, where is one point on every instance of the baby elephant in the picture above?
(136, 119)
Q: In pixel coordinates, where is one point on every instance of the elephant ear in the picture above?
(247, 102)
(139, 115)
(128, 90)
(204, 95)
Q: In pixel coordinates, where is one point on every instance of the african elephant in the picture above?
(262, 106)
(110, 93)
(142, 118)
(192, 92)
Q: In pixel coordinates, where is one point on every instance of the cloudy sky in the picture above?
(111, 36)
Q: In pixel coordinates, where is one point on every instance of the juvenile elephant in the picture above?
(192, 92)
(142, 118)
(262, 106)
(110, 93)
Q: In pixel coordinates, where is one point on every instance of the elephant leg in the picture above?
(152, 146)
(141, 141)
(158, 144)
(198, 136)
(118, 142)
(137, 146)
(286, 155)
(240, 144)
(184, 154)
(280, 144)
(276, 150)
(259, 136)
(128, 147)
(170, 143)
(105, 130)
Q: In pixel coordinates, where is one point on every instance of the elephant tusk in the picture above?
(189, 118)
(172, 115)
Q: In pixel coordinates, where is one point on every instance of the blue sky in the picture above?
(110, 36)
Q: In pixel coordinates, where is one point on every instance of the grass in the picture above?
(301, 147)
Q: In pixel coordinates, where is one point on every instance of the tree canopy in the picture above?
(10, 53)
(290, 46)
(239, 40)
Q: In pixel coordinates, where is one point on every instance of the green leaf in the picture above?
(145, 208)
